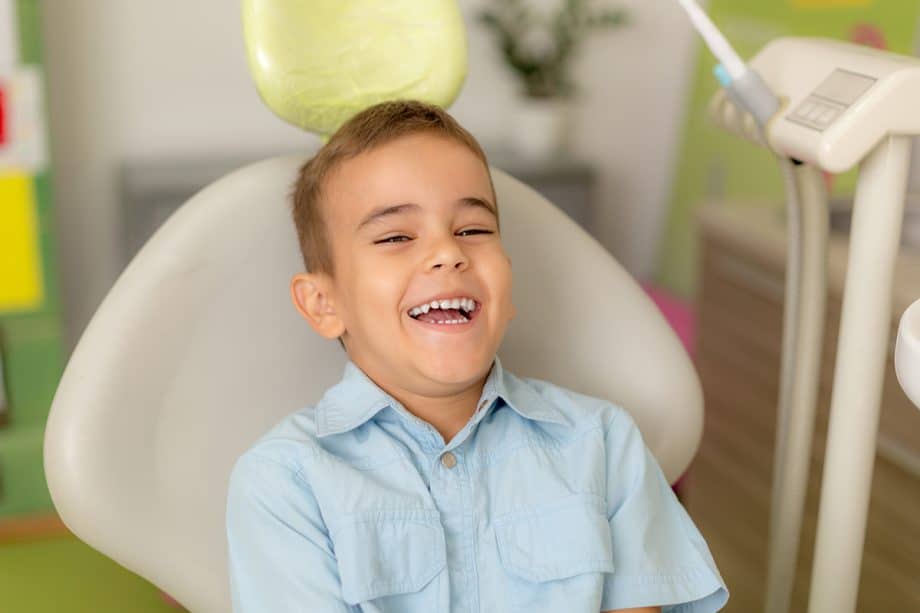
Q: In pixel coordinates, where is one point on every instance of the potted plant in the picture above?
(539, 47)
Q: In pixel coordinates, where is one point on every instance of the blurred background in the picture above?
(113, 113)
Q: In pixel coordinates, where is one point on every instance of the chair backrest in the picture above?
(196, 351)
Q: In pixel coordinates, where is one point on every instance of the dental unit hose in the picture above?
(743, 85)
(803, 314)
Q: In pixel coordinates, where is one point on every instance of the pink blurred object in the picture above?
(678, 312)
(171, 601)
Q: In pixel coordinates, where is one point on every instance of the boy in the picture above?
(430, 479)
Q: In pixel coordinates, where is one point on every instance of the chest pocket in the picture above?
(393, 561)
(554, 555)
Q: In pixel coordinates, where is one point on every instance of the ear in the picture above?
(314, 299)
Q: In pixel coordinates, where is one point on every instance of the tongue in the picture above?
(439, 316)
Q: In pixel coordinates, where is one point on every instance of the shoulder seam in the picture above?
(297, 472)
(617, 417)
(294, 469)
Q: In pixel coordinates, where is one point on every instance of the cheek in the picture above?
(379, 286)
(500, 281)
(509, 302)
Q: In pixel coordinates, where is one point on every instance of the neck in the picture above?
(448, 414)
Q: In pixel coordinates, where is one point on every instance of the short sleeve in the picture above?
(659, 556)
(280, 554)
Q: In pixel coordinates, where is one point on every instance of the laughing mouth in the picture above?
(451, 311)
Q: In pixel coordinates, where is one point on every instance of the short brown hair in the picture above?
(372, 127)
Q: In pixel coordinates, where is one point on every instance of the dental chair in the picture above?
(197, 351)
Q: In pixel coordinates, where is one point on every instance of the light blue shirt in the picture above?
(546, 500)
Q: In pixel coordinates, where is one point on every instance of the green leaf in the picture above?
(548, 75)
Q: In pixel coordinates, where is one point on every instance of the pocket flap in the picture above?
(388, 552)
(557, 540)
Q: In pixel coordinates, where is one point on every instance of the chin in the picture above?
(457, 369)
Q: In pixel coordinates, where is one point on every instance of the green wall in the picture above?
(32, 340)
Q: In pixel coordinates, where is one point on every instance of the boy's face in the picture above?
(411, 222)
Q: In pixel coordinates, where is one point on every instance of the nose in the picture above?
(447, 254)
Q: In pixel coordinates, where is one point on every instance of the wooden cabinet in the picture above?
(740, 306)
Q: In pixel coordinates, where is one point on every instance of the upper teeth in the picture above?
(467, 304)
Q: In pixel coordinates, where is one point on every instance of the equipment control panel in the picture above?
(834, 96)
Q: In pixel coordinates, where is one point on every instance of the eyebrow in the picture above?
(479, 202)
(384, 211)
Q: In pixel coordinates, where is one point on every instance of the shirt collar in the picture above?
(356, 398)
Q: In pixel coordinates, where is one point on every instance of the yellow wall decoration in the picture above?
(21, 285)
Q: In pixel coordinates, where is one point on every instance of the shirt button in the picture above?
(448, 460)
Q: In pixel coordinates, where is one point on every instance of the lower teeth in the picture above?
(466, 319)
(452, 321)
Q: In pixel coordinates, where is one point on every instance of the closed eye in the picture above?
(401, 238)
(474, 231)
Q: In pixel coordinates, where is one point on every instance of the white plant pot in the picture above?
(540, 127)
